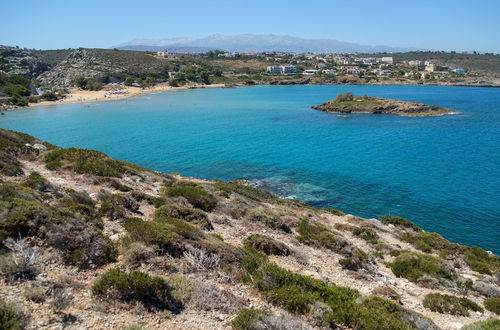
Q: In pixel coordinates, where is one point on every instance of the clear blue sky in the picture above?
(438, 24)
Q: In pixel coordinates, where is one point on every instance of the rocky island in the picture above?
(346, 103)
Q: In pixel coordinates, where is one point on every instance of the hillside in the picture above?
(88, 241)
(102, 65)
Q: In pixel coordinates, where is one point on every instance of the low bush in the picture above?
(208, 297)
(195, 195)
(447, 304)
(153, 292)
(137, 254)
(399, 222)
(431, 242)
(35, 293)
(267, 218)
(246, 318)
(10, 317)
(490, 324)
(188, 214)
(357, 261)
(297, 293)
(267, 245)
(481, 261)
(493, 305)
(89, 162)
(318, 235)
(364, 233)
(81, 244)
(413, 266)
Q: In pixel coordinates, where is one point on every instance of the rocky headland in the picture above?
(347, 103)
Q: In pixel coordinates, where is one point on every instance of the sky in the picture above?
(436, 25)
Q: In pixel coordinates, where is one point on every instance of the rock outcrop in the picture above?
(347, 104)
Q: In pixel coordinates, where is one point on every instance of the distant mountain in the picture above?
(256, 43)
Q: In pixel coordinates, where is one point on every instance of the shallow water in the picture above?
(441, 172)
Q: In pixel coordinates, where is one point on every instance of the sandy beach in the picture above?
(77, 95)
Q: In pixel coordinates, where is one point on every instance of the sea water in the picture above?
(443, 173)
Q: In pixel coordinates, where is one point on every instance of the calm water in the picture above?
(441, 172)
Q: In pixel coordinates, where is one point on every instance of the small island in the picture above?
(346, 103)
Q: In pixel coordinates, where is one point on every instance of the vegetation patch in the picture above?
(267, 218)
(196, 195)
(188, 214)
(85, 161)
(490, 324)
(247, 318)
(413, 266)
(493, 305)
(296, 293)
(399, 222)
(267, 245)
(446, 304)
(10, 317)
(364, 233)
(334, 211)
(153, 292)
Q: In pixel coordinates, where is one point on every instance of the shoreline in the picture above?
(77, 95)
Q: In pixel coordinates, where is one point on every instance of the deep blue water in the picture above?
(441, 172)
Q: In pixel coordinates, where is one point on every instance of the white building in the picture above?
(309, 72)
(282, 69)
(388, 59)
(332, 72)
(274, 69)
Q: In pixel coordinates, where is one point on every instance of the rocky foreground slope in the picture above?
(348, 103)
(89, 242)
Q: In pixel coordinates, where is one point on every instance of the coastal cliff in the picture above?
(347, 103)
(88, 241)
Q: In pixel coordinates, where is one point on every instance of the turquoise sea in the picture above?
(441, 172)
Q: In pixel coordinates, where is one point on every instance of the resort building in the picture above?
(282, 69)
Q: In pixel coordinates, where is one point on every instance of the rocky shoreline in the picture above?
(347, 103)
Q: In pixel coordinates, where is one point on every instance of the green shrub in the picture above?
(10, 317)
(245, 191)
(399, 222)
(447, 304)
(88, 162)
(316, 234)
(246, 318)
(431, 242)
(267, 245)
(153, 292)
(197, 196)
(188, 214)
(413, 266)
(493, 305)
(359, 260)
(490, 324)
(267, 218)
(296, 293)
(481, 261)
